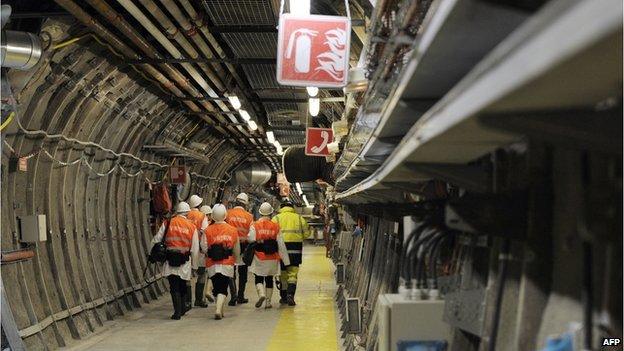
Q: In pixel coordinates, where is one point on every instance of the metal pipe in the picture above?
(170, 27)
(19, 50)
(252, 173)
(115, 42)
(168, 45)
(14, 256)
(199, 23)
(124, 27)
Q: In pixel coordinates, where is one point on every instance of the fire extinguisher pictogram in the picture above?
(302, 47)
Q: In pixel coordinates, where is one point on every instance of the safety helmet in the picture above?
(286, 203)
(266, 209)
(195, 201)
(242, 198)
(182, 207)
(218, 213)
(206, 209)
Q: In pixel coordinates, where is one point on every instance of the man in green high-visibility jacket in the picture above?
(294, 230)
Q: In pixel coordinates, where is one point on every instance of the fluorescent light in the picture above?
(270, 137)
(278, 147)
(299, 188)
(234, 101)
(305, 199)
(252, 125)
(300, 7)
(312, 91)
(245, 115)
(314, 105)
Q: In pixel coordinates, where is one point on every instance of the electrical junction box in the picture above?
(404, 321)
(33, 228)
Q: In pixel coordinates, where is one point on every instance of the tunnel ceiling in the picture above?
(228, 47)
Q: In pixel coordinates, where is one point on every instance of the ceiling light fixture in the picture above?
(245, 115)
(312, 91)
(270, 137)
(234, 101)
(305, 199)
(300, 7)
(252, 125)
(314, 105)
(299, 188)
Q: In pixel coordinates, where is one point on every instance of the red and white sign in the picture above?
(23, 164)
(317, 140)
(178, 174)
(313, 50)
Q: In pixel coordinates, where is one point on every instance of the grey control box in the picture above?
(33, 228)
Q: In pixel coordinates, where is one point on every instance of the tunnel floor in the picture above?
(311, 325)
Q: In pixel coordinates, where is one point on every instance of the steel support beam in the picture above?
(263, 28)
(8, 323)
(261, 100)
(236, 61)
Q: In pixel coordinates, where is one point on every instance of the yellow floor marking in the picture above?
(311, 325)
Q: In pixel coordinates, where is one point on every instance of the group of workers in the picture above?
(211, 240)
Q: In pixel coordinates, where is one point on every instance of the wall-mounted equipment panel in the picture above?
(33, 228)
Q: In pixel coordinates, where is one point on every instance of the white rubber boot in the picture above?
(220, 303)
(261, 294)
(269, 294)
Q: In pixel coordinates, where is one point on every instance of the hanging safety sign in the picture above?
(178, 174)
(317, 140)
(313, 50)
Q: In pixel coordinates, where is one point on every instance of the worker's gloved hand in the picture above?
(194, 273)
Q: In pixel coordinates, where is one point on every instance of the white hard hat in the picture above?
(265, 209)
(219, 212)
(242, 198)
(183, 207)
(206, 209)
(195, 201)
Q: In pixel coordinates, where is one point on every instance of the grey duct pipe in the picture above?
(254, 173)
(20, 50)
(298, 167)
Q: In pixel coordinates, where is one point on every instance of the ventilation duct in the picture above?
(253, 173)
(298, 167)
(20, 50)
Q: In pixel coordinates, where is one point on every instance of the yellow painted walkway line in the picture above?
(311, 325)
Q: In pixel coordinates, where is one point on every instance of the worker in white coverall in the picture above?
(269, 249)
(181, 239)
(201, 222)
(222, 250)
(207, 210)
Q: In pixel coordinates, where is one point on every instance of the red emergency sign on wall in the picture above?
(317, 140)
(313, 50)
(178, 174)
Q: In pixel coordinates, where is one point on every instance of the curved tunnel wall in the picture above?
(90, 269)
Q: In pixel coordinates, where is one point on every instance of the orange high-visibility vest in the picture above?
(266, 230)
(241, 220)
(224, 234)
(197, 217)
(180, 234)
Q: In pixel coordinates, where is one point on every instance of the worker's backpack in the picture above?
(161, 202)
